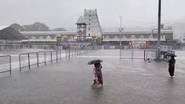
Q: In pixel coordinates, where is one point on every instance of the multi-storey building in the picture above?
(88, 25)
(89, 30)
(137, 39)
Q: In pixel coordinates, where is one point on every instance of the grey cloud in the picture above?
(64, 13)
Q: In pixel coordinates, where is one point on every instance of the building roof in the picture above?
(137, 32)
(48, 32)
(81, 20)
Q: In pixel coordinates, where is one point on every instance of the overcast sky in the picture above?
(64, 13)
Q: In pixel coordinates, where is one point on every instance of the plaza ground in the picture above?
(126, 81)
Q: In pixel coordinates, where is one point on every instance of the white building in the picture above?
(90, 18)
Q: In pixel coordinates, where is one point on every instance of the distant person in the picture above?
(171, 68)
(148, 60)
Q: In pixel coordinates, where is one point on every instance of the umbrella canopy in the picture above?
(171, 54)
(95, 61)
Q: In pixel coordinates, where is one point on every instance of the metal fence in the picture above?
(5, 64)
(70, 52)
(150, 54)
(32, 59)
(36, 59)
(138, 54)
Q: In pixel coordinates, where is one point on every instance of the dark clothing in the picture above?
(171, 66)
(100, 79)
(98, 74)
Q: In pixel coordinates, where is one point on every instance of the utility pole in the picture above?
(120, 32)
(159, 31)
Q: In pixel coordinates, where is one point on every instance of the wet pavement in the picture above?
(126, 81)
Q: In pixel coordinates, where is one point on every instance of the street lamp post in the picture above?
(120, 31)
(58, 42)
(159, 31)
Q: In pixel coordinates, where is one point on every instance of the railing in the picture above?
(28, 60)
(32, 59)
(149, 54)
(74, 51)
(41, 58)
(5, 64)
(146, 54)
(133, 39)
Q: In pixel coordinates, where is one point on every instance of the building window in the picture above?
(119, 36)
(137, 36)
(142, 37)
(128, 36)
(111, 36)
(52, 37)
(41, 37)
(37, 37)
(150, 36)
(69, 37)
(133, 36)
(44, 37)
(31, 37)
(146, 36)
(48, 37)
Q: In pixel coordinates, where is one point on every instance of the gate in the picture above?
(131, 53)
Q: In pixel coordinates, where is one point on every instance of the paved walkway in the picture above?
(69, 82)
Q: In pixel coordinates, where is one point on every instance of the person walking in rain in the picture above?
(171, 68)
(98, 74)
(97, 70)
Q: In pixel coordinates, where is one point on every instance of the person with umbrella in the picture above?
(98, 76)
(171, 65)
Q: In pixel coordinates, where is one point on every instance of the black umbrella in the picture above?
(96, 61)
(171, 54)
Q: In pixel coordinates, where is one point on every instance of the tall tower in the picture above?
(81, 28)
(90, 18)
